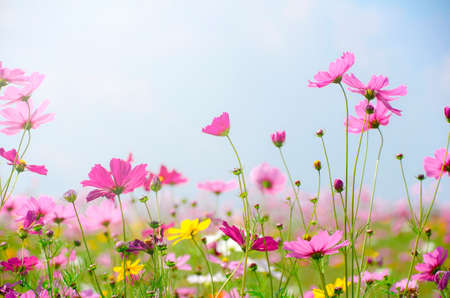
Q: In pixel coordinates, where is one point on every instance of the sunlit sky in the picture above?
(146, 76)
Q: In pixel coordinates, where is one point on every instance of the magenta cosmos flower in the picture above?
(121, 179)
(433, 166)
(335, 71)
(21, 165)
(11, 76)
(13, 94)
(220, 126)
(278, 138)
(374, 90)
(217, 186)
(269, 180)
(20, 266)
(17, 119)
(432, 262)
(447, 113)
(238, 235)
(380, 116)
(320, 245)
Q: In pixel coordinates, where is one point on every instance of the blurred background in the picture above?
(146, 76)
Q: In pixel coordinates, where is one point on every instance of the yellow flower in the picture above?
(131, 269)
(187, 230)
(336, 288)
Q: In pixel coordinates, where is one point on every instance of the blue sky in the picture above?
(146, 76)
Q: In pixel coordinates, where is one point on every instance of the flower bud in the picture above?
(155, 185)
(280, 226)
(77, 243)
(369, 232)
(313, 200)
(154, 224)
(121, 246)
(70, 196)
(370, 109)
(253, 267)
(298, 183)
(194, 204)
(320, 133)
(399, 156)
(237, 171)
(306, 237)
(447, 113)
(428, 232)
(92, 267)
(144, 199)
(278, 138)
(420, 177)
(317, 165)
(50, 234)
(256, 206)
(338, 185)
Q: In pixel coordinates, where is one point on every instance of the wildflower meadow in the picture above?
(121, 233)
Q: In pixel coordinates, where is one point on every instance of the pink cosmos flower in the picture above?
(230, 266)
(121, 179)
(165, 177)
(18, 118)
(320, 245)
(61, 213)
(41, 207)
(14, 94)
(40, 294)
(258, 244)
(335, 71)
(20, 266)
(374, 90)
(432, 262)
(185, 292)
(433, 166)
(399, 287)
(217, 186)
(220, 126)
(21, 165)
(180, 263)
(379, 117)
(102, 216)
(278, 138)
(269, 180)
(370, 277)
(61, 260)
(11, 76)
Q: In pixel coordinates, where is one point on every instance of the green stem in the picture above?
(372, 197)
(267, 259)
(293, 188)
(346, 180)
(83, 236)
(322, 277)
(148, 212)
(362, 173)
(207, 264)
(157, 207)
(352, 231)
(47, 261)
(331, 182)
(124, 254)
(413, 215)
(315, 205)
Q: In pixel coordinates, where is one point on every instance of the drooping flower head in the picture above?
(21, 266)
(433, 166)
(21, 165)
(374, 89)
(278, 138)
(269, 180)
(447, 113)
(14, 94)
(441, 279)
(220, 126)
(188, 229)
(258, 243)
(335, 71)
(19, 118)
(380, 116)
(121, 179)
(320, 245)
(432, 263)
(217, 186)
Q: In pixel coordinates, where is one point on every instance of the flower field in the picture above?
(122, 232)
